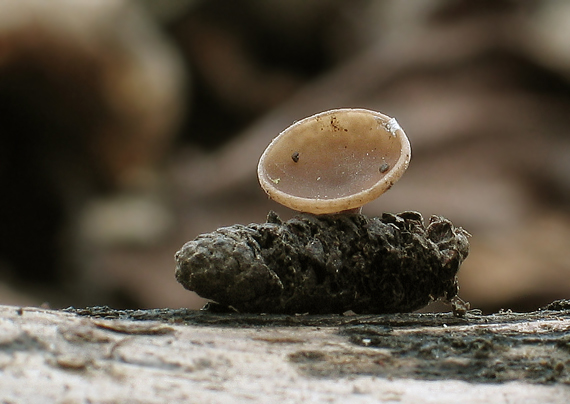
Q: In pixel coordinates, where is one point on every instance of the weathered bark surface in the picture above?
(102, 355)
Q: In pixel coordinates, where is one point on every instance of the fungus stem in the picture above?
(353, 210)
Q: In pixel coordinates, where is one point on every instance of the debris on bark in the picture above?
(327, 264)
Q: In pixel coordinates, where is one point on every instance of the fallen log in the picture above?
(163, 355)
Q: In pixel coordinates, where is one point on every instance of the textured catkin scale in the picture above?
(327, 263)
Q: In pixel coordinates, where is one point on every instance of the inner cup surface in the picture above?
(332, 156)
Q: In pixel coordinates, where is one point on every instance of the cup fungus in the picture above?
(320, 262)
(334, 161)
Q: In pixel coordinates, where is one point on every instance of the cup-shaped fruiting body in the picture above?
(334, 161)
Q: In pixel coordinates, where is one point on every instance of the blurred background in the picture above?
(129, 127)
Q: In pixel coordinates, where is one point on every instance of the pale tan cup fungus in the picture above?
(334, 161)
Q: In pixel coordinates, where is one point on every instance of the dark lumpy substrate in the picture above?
(326, 263)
